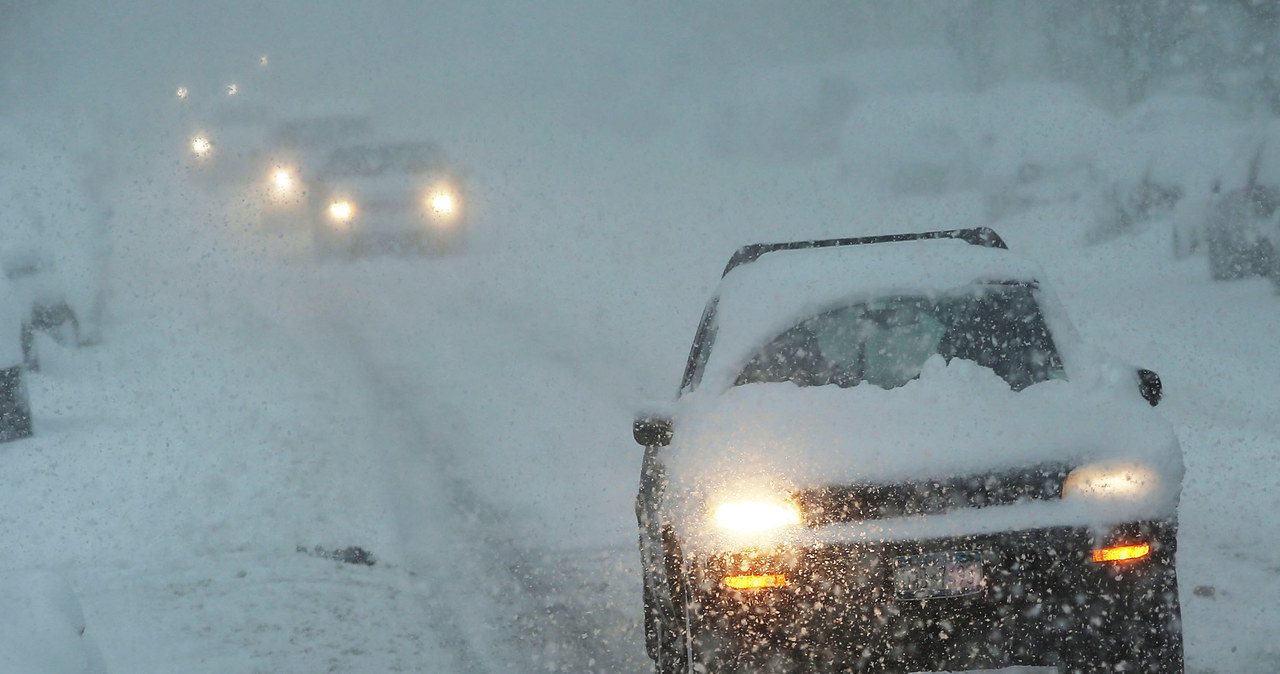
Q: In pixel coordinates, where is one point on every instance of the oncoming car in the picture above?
(893, 454)
(389, 197)
(299, 140)
(224, 140)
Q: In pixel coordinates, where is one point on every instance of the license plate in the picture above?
(941, 574)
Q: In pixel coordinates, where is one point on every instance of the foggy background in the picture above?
(468, 419)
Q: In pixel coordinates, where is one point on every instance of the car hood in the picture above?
(955, 420)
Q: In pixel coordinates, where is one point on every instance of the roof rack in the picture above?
(977, 236)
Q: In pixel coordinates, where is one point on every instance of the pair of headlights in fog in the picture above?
(441, 204)
(1113, 480)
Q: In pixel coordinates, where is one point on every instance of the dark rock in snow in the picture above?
(353, 554)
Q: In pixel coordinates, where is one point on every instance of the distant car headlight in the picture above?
(755, 515)
(282, 185)
(341, 211)
(443, 205)
(282, 180)
(1113, 479)
(200, 146)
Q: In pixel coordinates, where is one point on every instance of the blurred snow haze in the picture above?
(265, 460)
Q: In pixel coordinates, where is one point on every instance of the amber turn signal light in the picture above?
(756, 582)
(1121, 553)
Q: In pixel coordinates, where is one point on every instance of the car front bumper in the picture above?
(1043, 601)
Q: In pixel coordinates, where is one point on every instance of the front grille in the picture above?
(854, 503)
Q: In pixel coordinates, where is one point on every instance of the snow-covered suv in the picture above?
(893, 454)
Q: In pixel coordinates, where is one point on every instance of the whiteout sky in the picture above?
(467, 419)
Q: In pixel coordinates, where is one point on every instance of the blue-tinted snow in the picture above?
(244, 402)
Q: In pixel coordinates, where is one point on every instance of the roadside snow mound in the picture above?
(42, 629)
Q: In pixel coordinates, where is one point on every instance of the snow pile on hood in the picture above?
(956, 420)
(761, 299)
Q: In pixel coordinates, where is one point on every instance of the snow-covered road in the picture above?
(258, 404)
(472, 435)
(467, 420)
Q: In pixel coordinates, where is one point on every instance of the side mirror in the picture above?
(652, 430)
(1150, 387)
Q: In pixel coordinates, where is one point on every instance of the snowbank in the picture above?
(42, 627)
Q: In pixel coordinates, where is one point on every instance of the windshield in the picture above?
(885, 342)
(373, 161)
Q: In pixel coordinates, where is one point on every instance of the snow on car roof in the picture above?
(763, 298)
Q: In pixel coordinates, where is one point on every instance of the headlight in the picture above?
(1115, 479)
(757, 515)
(342, 211)
(282, 180)
(201, 146)
(282, 185)
(443, 205)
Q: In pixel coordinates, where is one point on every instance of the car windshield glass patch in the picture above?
(886, 342)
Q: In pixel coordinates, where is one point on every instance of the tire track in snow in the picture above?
(513, 608)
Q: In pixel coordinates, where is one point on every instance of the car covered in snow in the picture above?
(15, 406)
(1242, 222)
(388, 197)
(893, 454)
(1238, 232)
(1170, 150)
(31, 271)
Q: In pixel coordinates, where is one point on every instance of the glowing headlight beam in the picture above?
(756, 582)
(752, 516)
(201, 146)
(1122, 479)
(282, 180)
(342, 211)
(442, 204)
